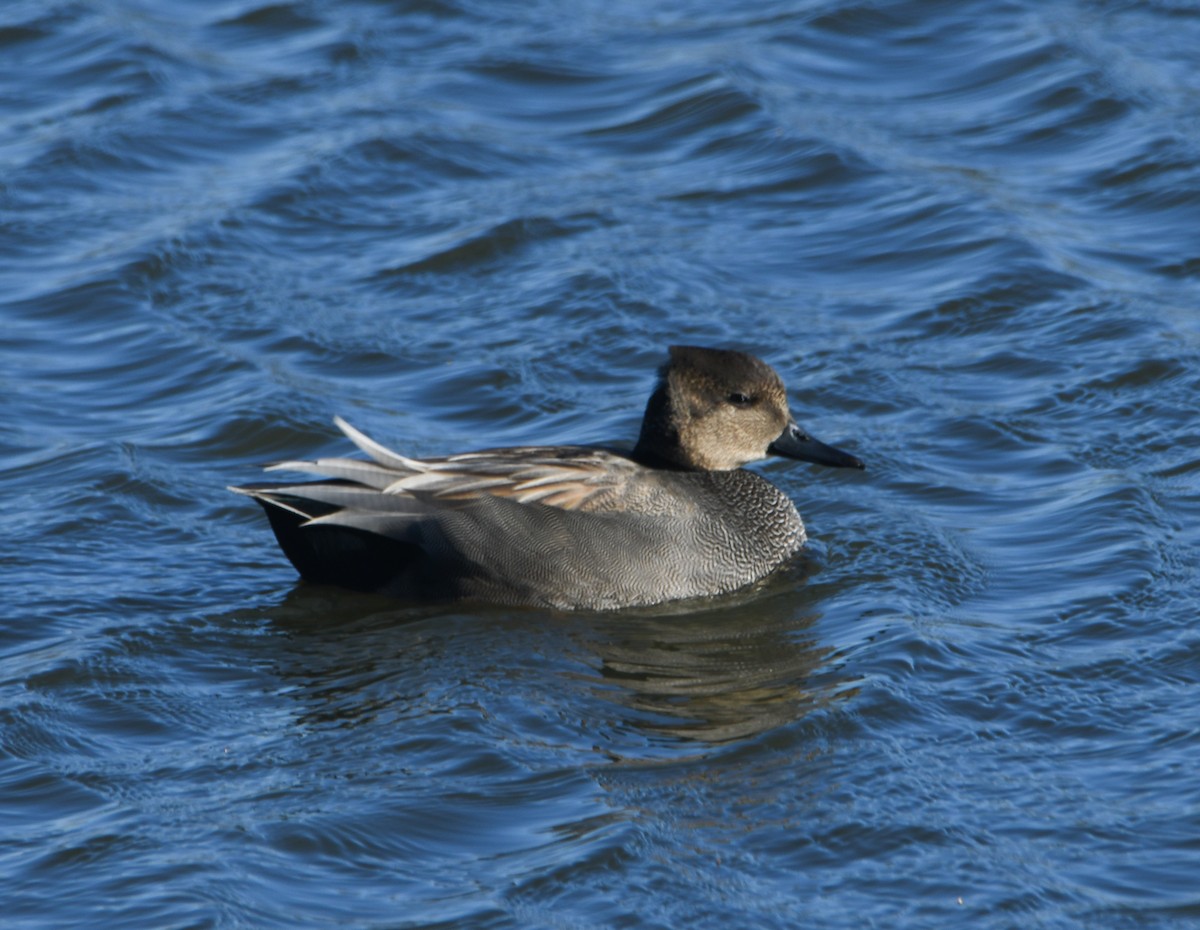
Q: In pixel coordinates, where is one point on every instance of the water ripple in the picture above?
(963, 232)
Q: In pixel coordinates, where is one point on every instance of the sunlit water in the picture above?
(968, 234)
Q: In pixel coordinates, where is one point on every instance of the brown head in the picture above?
(716, 409)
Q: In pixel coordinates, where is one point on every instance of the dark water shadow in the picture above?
(711, 672)
(319, 609)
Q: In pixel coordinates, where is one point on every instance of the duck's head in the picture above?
(717, 409)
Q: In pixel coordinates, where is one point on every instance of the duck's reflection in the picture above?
(726, 673)
(711, 672)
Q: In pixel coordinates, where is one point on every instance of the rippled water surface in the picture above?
(968, 234)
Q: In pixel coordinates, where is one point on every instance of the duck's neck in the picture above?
(658, 443)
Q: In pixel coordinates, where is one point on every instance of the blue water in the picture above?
(967, 234)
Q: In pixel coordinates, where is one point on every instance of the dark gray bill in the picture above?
(794, 443)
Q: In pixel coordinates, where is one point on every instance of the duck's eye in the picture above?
(738, 399)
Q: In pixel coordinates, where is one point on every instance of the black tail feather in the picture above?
(331, 554)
